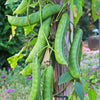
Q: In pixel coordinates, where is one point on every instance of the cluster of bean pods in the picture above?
(36, 55)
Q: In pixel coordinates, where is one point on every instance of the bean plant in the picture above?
(44, 44)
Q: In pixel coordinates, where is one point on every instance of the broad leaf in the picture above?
(79, 90)
(14, 59)
(82, 2)
(96, 9)
(65, 77)
(76, 6)
(29, 29)
(92, 94)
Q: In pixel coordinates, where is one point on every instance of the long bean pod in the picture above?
(41, 41)
(36, 78)
(59, 39)
(35, 17)
(73, 54)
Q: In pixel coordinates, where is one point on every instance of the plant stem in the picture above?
(63, 88)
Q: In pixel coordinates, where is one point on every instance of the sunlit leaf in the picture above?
(13, 32)
(82, 2)
(96, 9)
(29, 29)
(14, 59)
(34, 4)
(76, 6)
(11, 1)
(92, 94)
(92, 77)
(86, 87)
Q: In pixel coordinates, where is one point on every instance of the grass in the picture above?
(19, 87)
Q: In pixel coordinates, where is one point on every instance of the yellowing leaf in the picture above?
(14, 59)
(76, 6)
(75, 11)
(13, 32)
(29, 29)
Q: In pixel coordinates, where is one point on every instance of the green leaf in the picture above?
(96, 9)
(76, 6)
(79, 90)
(86, 87)
(11, 1)
(33, 5)
(65, 77)
(92, 94)
(6, 27)
(14, 59)
(92, 77)
(32, 42)
(3, 45)
(94, 88)
(1, 23)
(82, 2)
(29, 29)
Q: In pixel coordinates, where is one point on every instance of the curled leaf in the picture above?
(14, 59)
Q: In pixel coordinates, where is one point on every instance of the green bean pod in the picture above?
(36, 78)
(80, 53)
(48, 83)
(59, 39)
(27, 71)
(35, 17)
(41, 41)
(22, 7)
(73, 54)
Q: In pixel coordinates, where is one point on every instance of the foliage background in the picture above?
(7, 48)
(86, 22)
